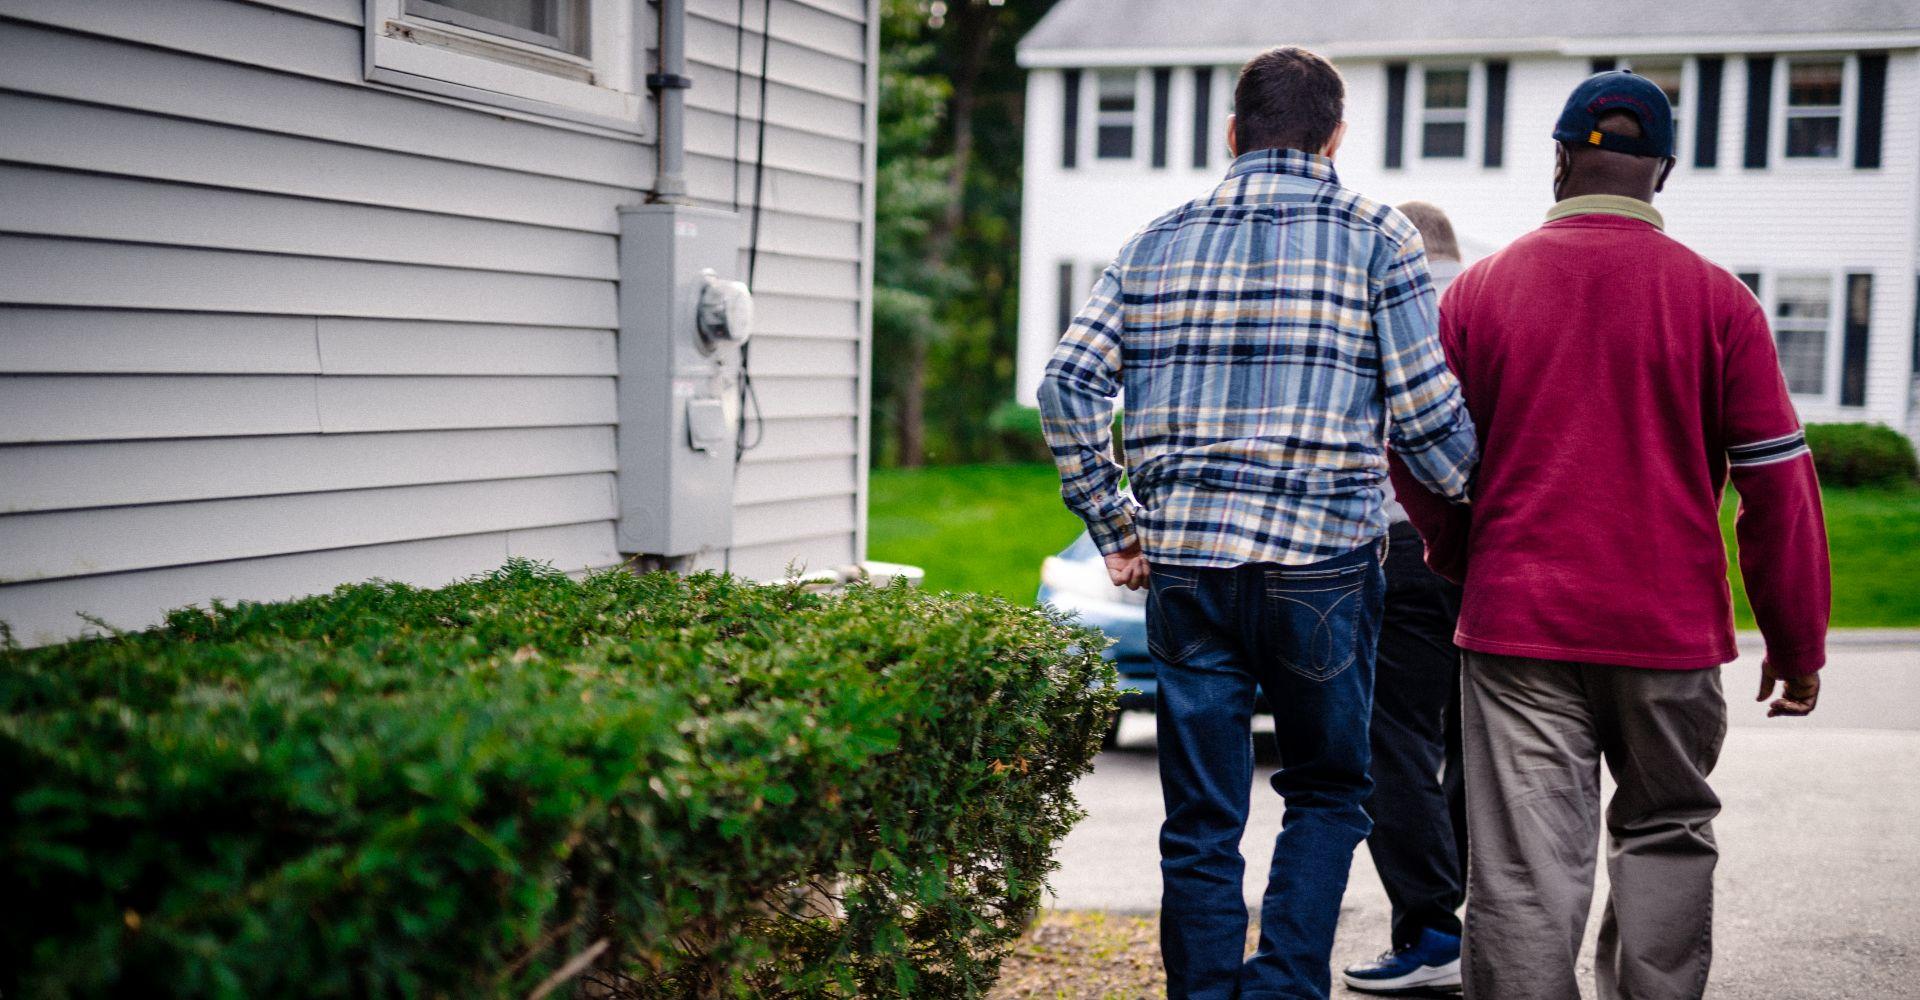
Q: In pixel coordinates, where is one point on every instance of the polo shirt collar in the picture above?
(1607, 204)
(1284, 161)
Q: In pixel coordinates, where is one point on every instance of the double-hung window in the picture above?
(1445, 96)
(1803, 328)
(570, 59)
(1117, 97)
(1814, 108)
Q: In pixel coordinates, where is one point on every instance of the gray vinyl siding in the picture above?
(266, 328)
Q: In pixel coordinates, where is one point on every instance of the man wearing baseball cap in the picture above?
(1616, 380)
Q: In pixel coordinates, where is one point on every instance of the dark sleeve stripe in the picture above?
(1768, 452)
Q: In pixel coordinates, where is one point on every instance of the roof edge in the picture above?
(1036, 57)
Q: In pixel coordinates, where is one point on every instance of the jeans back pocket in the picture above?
(1176, 624)
(1314, 616)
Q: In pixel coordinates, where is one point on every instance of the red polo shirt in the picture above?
(1616, 378)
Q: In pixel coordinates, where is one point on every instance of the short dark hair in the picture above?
(1620, 122)
(1288, 98)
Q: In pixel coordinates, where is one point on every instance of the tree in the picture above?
(911, 186)
(947, 244)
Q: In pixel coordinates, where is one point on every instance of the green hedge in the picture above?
(1861, 455)
(714, 788)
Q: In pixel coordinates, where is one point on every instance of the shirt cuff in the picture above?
(1113, 535)
(1445, 467)
(1798, 662)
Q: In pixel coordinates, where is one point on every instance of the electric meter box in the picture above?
(678, 387)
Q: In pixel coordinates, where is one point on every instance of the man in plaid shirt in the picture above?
(1271, 338)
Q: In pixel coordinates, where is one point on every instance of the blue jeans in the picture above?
(1305, 635)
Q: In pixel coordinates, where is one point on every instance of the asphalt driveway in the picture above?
(1819, 881)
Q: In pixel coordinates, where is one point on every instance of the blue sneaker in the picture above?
(1431, 963)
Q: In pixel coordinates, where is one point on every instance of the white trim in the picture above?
(1743, 44)
(1235, 55)
(1832, 354)
(1413, 127)
(1784, 457)
(1040, 58)
(1224, 79)
(1849, 99)
(1476, 100)
(869, 176)
(501, 72)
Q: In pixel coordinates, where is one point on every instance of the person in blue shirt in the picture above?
(1272, 337)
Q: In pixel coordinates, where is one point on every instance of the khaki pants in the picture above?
(1535, 734)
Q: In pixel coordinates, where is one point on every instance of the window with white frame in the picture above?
(570, 59)
(1117, 98)
(1803, 329)
(1446, 93)
(1814, 108)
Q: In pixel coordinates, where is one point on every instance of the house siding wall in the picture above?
(265, 328)
(1800, 216)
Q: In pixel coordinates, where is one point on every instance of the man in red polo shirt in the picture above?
(1615, 378)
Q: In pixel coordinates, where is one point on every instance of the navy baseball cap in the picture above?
(1618, 90)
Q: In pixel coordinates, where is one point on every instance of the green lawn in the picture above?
(982, 528)
(985, 528)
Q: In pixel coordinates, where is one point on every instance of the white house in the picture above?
(1799, 151)
(300, 292)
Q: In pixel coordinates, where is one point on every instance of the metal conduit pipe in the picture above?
(669, 86)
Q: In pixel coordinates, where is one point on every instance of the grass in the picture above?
(980, 528)
(985, 528)
(1873, 536)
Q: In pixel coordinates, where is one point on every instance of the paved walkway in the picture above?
(1819, 882)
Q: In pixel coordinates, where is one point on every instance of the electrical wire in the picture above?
(749, 398)
(739, 86)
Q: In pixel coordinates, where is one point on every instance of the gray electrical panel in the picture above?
(679, 378)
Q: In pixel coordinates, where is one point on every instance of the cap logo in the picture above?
(1593, 138)
(1603, 102)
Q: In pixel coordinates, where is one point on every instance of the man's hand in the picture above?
(1797, 697)
(1128, 567)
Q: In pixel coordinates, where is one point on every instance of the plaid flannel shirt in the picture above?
(1271, 338)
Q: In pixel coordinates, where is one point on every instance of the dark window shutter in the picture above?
(1759, 108)
(1602, 65)
(1396, 114)
(1916, 324)
(1872, 110)
(1162, 87)
(1202, 115)
(1853, 348)
(1065, 291)
(1070, 125)
(1706, 123)
(1751, 279)
(1496, 131)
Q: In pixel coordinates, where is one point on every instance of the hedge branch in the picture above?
(575, 965)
